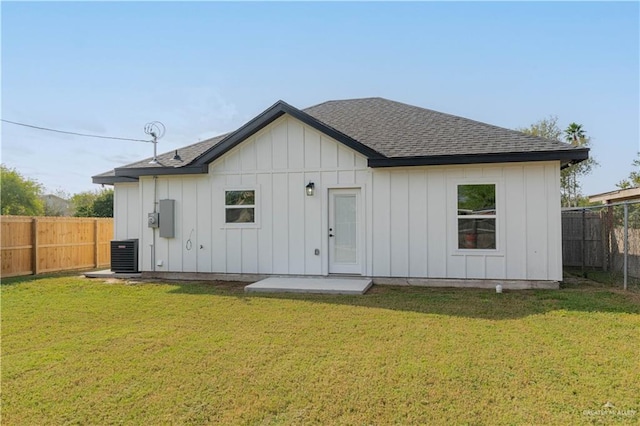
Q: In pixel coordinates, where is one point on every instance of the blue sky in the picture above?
(205, 68)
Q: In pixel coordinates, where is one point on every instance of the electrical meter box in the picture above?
(167, 218)
(153, 221)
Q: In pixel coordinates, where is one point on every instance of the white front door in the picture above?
(345, 249)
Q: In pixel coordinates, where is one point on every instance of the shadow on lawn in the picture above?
(473, 303)
(577, 294)
(23, 279)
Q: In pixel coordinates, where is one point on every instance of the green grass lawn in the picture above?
(79, 351)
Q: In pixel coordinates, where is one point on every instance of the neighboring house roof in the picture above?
(619, 195)
(388, 133)
(57, 205)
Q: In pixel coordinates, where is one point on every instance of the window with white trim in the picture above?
(240, 206)
(477, 216)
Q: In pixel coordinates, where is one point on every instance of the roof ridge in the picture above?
(344, 100)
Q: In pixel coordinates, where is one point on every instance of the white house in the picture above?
(367, 187)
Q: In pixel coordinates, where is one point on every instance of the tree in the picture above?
(569, 176)
(576, 136)
(93, 203)
(546, 128)
(19, 195)
(103, 204)
(574, 133)
(82, 203)
(633, 181)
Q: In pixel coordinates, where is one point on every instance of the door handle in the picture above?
(330, 235)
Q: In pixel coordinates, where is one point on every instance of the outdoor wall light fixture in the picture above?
(310, 188)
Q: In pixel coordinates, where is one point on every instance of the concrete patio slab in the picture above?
(108, 273)
(311, 285)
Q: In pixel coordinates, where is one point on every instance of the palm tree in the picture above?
(575, 135)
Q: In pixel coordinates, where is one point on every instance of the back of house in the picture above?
(363, 187)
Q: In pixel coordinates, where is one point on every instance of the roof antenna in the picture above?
(156, 130)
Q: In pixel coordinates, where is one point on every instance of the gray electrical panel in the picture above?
(167, 218)
(152, 220)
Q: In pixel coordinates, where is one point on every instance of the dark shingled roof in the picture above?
(165, 162)
(187, 155)
(399, 130)
(388, 133)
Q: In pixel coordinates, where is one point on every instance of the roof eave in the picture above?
(110, 180)
(564, 156)
(581, 154)
(130, 172)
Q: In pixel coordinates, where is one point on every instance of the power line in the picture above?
(72, 133)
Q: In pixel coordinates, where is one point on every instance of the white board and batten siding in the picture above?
(126, 210)
(277, 162)
(415, 222)
(409, 221)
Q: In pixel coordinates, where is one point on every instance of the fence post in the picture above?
(95, 242)
(34, 246)
(583, 246)
(608, 240)
(626, 243)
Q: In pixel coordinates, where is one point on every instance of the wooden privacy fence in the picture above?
(590, 243)
(594, 238)
(35, 245)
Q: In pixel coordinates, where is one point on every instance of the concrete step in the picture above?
(311, 285)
